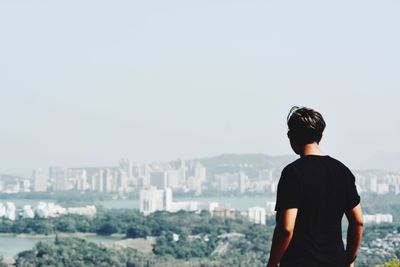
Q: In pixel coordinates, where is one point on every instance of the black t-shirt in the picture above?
(322, 188)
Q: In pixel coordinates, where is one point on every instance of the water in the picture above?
(238, 203)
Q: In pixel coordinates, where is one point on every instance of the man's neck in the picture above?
(312, 149)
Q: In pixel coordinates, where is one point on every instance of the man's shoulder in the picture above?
(298, 163)
(290, 166)
(339, 164)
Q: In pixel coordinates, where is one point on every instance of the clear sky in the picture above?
(91, 82)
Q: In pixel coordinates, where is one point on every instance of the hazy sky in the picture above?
(90, 82)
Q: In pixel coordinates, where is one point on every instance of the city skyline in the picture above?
(226, 174)
(380, 166)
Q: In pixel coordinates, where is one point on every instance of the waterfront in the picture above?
(238, 203)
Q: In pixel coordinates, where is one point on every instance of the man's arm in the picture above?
(282, 235)
(354, 232)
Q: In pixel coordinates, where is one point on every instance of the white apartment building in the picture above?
(152, 200)
(10, 211)
(212, 206)
(39, 181)
(27, 212)
(257, 215)
(49, 210)
(173, 180)
(378, 218)
(89, 210)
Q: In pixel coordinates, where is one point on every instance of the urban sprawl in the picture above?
(155, 184)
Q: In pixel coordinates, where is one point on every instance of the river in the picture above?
(238, 203)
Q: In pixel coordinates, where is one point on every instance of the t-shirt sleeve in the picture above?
(289, 191)
(352, 198)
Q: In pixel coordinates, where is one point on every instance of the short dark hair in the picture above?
(305, 125)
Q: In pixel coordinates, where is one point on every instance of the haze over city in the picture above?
(86, 84)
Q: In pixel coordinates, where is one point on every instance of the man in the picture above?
(313, 194)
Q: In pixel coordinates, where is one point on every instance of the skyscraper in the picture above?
(172, 178)
(182, 172)
(257, 215)
(108, 181)
(39, 180)
(200, 172)
(122, 180)
(82, 183)
(151, 200)
(61, 180)
(242, 182)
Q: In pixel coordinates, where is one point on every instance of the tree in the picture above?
(108, 228)
(138, 231)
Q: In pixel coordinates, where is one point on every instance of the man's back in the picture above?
(322, 189)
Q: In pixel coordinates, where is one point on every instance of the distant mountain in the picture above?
(388, 161)
(245, 162)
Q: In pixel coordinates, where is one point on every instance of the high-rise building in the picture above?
(122, 180)
(257, 215)
(151, 200)
(109, 181)
(242, 182)
(172, 178)
(128, 167)
(82, 181)
(61, 180)
(25, 185)
(98, 180)
(182, 172)
(39, 181)
(168, 201)
(200, 172)
(158, 179)
(52, 175)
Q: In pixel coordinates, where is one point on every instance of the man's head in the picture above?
(305, 127)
